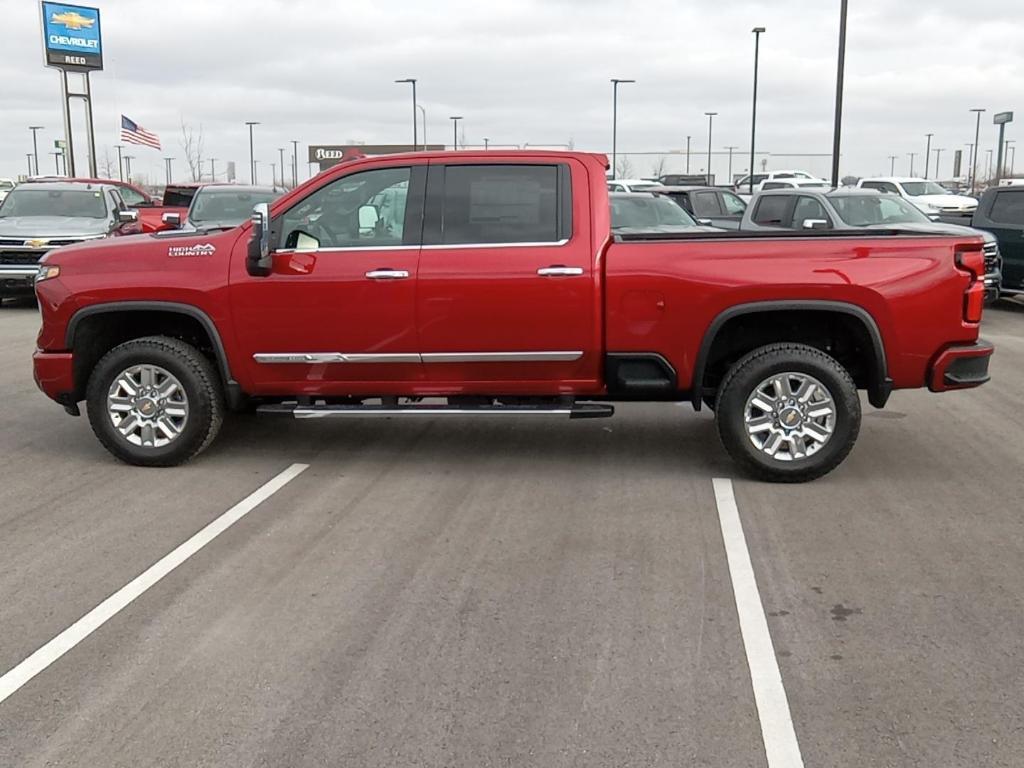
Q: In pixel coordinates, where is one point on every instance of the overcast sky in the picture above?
(531, 72)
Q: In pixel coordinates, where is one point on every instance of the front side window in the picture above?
(734, 206)
(868, 210)
(1008, 208)
(485, 204)
(807, 208)
(771, 210)
(132, 198)
(706, 204)
(364, 209)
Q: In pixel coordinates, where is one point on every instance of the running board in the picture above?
(576, 411)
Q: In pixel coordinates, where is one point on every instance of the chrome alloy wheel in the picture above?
(790, 416)
(148, 406)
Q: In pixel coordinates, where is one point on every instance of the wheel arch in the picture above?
(878, 384)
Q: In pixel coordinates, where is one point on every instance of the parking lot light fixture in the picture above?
(912, 156)
(252, 158)
(415, 116)
(616, 81)
(840, 70)
(711, 118)
(729, 178)
(455, 130)
(892, 164)
(757, 31)
(927, 153)
(56, 161)
(167, 170)
(35, 146)
(938, 156)
(974, 160)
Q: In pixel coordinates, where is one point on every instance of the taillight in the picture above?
(971, 259)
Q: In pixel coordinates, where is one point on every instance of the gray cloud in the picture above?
(532, 72)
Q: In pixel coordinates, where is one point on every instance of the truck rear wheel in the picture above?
(788, 413)
(155, 401)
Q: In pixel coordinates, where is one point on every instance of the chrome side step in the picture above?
(573, 411)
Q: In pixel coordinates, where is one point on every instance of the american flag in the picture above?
(133, 133)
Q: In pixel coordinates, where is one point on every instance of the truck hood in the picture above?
(147, 251)
(944, 202)
(51, 226)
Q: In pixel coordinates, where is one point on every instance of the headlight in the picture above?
(47, 271)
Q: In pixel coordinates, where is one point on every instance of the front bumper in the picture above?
(55, 376)
(961, 367)
(17, 281)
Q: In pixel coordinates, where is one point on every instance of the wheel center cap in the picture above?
(790, 417)
(146, 407)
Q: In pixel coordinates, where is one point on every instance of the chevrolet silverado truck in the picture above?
(490, 284)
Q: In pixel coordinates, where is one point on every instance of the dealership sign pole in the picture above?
(1001, 119)
(72, 43)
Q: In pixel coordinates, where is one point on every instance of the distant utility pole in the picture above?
(892, 165)
(167, 169)
(757, 32)
(977, 134)
(56, 160)
(711, 118)
(35, 145)
(280, 151)
(213, 173)
(128, 167)
(912, 156)
(455, 131)
(938, 155)
(120, 162)
(616, 82)
(729, 180)
(295, 162)
(273, 174)
(837, 130)
(927, 153)
(252, 157)
(415, 117)
(688, 153)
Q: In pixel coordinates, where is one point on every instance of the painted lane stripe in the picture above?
(780, 744)
(16, 677)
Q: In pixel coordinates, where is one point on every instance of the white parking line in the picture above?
(780, 744)
(12, 680)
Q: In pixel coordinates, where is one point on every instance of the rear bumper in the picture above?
(961, 367)
(54, 375)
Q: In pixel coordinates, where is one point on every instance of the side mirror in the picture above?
(172, 220)
(258, 261)
(704, 222)
(815, 224)
(127, 217)
(368, 218)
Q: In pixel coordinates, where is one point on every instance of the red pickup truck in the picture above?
(491, 283)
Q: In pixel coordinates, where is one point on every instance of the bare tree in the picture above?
(192, 144)
(109, 166)
(624, 168)
(658, 169)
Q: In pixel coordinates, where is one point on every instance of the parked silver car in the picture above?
(36, 218)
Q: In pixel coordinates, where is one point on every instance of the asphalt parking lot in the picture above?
(516, 593)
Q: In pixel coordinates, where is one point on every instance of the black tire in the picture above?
(753, 369)
(199, 380)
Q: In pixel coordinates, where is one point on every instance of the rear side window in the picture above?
(734, 206)
(706, 204)
(488, 204)
(179, 197)
(771, 210)
(1008, 208)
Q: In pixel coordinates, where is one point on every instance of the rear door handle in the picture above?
(557, 270)
(387, 274)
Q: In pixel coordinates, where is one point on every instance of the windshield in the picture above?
(866, 210)
(226, 206)
(178, 197)
(24, 201)
(643, 211)
(918, 188)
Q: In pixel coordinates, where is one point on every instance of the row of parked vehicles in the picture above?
(796, 201)
(49, 212)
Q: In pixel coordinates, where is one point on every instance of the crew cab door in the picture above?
(507, 300)
(337, 312)
(1004, 218)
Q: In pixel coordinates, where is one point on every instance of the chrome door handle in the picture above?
(559, 271)
(387, 274)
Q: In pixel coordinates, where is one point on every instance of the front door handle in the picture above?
(557, 270)
(387, 274)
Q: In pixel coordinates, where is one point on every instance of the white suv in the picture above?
(928, 196)
(633, 185)
(743, 185)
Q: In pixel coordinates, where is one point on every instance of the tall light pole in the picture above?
(988, 173)
(753, 112)
(252, 158)
(974, 162)
(938, 155)
(927, 153)
(167, 170)
(415, 117)
(295, 163)
(616, 81)
(688, 153)
(120, 162)
(711, 118)
(273, 174)
(455, 130)
(729, 180)
(28, 156)
(423, 114)
(487, 143)
(912, 156)
(1006, 156)
(128, 167)
(35, 145)
(280, 151)
(840, 70)
(56, 160)
(892, 165)
(213, 172)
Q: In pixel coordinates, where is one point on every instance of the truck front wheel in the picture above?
(788, 413)
(155, 401)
